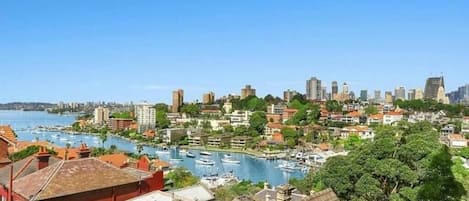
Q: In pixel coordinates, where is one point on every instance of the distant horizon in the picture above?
(108, 50)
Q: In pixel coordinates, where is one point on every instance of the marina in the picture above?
(250, 167)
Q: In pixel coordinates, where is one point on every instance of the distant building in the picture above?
(324, 93)
(208, 98)
(388, 97)
(146, 116)
(363, 95)
(276, 109)
(289, 94)
(313, 89)
(432, 86)
(345, 89)
(392, 117)
(178, 100)
(418, 94)
(399, 93)
(101, 115)
(411, 94)
(377, 96)
(465, 125)
(247, 91)
(335, 89)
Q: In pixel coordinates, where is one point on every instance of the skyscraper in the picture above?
(324, 93)
(247, 91)
(388, 97)
(411, 94)
(431, 87)
(399, 93)
(335, 89)
(208, 98)
(345, 89)
(313, 89)
(146, 116)
(363, 95)
(377, 96)
(178, 100)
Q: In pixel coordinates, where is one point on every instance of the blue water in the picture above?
(251, 168)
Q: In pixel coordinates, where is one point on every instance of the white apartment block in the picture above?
(101, 115)
(146, 116)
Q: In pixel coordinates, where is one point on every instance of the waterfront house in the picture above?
(240, 142)
(364, 132)
(172, 135)
(119, 124)
(274, 118)
(119, 160)
(197, 139)
(272, 128)
(219, 141)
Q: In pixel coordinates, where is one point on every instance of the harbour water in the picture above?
(250, 168)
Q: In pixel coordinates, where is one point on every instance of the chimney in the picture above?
(42, 158)
(84, 152)
(284, 193)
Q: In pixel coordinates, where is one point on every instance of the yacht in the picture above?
(204, 161)
(227, 155)
(190, 155)
(230, 160)
(205, 153)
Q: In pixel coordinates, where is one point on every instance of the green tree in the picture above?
(161, 107)
(192, 110)
(258, 121)
(269, 99)
(333, 106)
(103, 137)
(162, 120)
(371, 110)
(182, 177)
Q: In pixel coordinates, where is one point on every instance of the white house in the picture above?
(364, 132)
(392, 117)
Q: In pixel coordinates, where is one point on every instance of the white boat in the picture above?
(230, 160)
(227, 156)
(190, 155)
(288, 166)
(204, 161)
(205, 153)
(63, 139)
(182, 151)
(176, 159)
(214, 181)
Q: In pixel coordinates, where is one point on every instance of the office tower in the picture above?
(345, 89)
(324, 93)
(178, 100)
(313, 89)
(335, 89)
(351, 95)
(399, 93)
(289, 94)
(208, 98)
(101, 115)
(432, 86)
(247, 91)
(377, 96)
(146, 116)
(411, 94)
(388, 97)
(363, 95)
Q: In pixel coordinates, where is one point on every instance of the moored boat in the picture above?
(205, 153)
(190, 155)
(230, 160)
(204, 161)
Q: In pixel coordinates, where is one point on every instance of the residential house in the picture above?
(447, 130)
(7, 139)
(278, 138)
(364, 132)
(118, 160)
(239, 118)
(172, 135)
(465, 125)
(288, 113)
(275, 108)
(191, 193)
(392, 117)
(457, 141)
(375, 119)
(351, 118)
(272, 128)
(274, 118)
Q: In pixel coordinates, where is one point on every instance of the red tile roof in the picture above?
(7, 133)
(354, 114)
(71, 177)
(275, 125)
(119, 160)
(394, 113)
(20, 145)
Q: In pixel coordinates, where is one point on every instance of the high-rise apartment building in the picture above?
(146, 116)
(399, 93)
(418, 94)
(345, 88)
(247, 91)
(101, 115)
(411, 94)
(335, 89)
(289, 94)
(388, 97)
(432, 86)
(178, 100)
(377, 96)
(313, 89)
(363, 95)
(208, 98)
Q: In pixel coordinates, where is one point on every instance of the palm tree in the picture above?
(112, 148)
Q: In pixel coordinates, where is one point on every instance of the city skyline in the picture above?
(110, 51)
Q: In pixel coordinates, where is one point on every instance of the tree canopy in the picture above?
(402, 163)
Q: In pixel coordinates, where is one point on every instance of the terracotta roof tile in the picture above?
(7, 133)
(119, 160)
(71, 177)
(160, 163)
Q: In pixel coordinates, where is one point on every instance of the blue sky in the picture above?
(125, 50)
